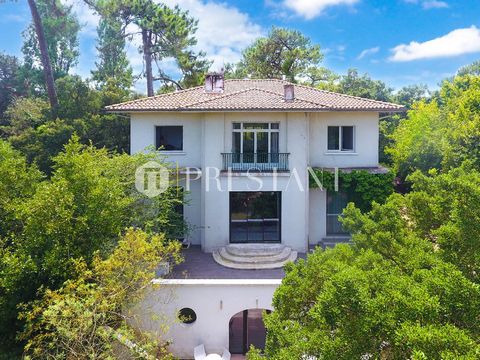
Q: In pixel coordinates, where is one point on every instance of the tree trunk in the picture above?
(147, 55)
(42, 43)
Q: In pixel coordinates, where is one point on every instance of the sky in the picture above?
(400, 42)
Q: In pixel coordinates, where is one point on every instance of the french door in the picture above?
(255, 142)
(255, 217)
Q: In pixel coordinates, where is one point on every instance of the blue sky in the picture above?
(399, 41)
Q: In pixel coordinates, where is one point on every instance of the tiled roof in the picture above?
(254, 95)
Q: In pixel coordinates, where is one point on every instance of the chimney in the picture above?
(289, 93)
(214, 82)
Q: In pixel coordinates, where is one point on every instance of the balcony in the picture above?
(260, 162)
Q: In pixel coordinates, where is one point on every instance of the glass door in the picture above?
(336, 202)
(247, 328)
(255, 217)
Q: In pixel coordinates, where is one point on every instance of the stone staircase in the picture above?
(331, 241)
(254, 256)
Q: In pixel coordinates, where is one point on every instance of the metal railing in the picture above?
(255, 161)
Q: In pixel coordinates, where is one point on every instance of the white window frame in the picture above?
(340, 135)
(269, 131)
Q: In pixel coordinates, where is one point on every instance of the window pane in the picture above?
(333, 138)
(274, 143)
(169, 137)
(262, 143)
(255, 125)
(336, 202)
(274, 125)
(248, 138)
(236, 142)
(347, 138)
(238, 206)
(236, 125)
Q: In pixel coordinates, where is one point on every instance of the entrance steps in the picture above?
(254, 256)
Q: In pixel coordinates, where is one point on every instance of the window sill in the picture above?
(172, 152)
(340, 153)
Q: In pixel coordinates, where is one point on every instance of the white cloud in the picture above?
(87, 17)
(429, 4)
(456, 42)
(434, 4)
(368, 52)
(223, 31)
(312, 8)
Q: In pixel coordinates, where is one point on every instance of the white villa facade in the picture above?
(243, 148)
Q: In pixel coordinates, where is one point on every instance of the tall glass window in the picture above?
(256, 138)
(255, 217)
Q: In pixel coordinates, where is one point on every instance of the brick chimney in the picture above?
(289, 92)
(214, 82)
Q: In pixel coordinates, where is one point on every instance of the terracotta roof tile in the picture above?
(254, 95)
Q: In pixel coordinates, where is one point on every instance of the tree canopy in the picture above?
(407, 288)
(75, 215)
(282, 52)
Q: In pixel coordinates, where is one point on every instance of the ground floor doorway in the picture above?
(255, 217)
(247, 328)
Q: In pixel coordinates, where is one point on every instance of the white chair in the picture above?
(199, 352)
(226, 355)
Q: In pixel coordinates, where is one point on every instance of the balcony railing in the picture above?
(255, 162)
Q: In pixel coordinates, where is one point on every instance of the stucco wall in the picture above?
(192, 210)
(142, 135)
(302, 135)
(214, 302)
(318, 215)
(366, 139)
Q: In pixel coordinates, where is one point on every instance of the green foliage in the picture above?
(61, 32)
(363, 86)
(76, 98)
(10, 84)
(446, 209)
(321, 77)
(441, 134)
(18, 183)
(113, 68)
(461, 99)
(389, 296)
(472, 69)
(38, 133)
(24, 113)
(88, 316)
(282, 52)
(166, 32)
(362, 187)
(80, 211)
(419, 140)
(409, 95)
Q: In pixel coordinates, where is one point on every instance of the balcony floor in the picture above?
(200, 265)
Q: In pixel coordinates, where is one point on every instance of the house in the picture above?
(243, 149)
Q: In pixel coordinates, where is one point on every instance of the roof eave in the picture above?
(186, 110)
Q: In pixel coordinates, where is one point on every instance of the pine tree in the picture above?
(113, 68)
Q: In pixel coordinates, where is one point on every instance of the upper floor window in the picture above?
(255, 138)
(169, 138)
(340, 138)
